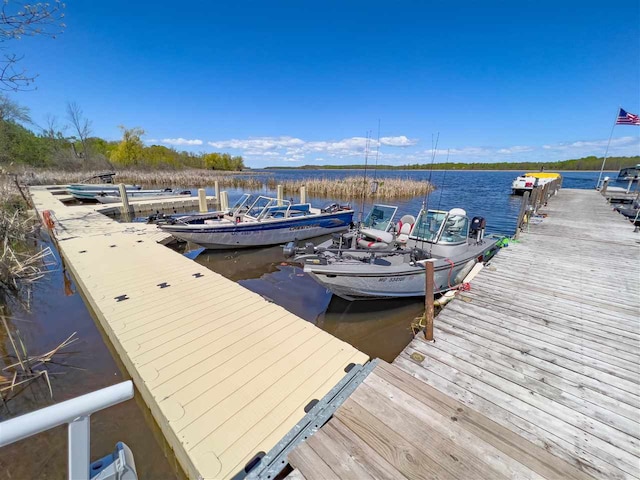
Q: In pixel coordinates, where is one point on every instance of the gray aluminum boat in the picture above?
(372, 263)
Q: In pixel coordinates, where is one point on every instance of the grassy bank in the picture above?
(20, 261)
(147, 178)
(347, 188)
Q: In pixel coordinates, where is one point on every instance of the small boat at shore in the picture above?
(141, 195)
(366, 263)
(88, 191)
(528, 181)
(258, 222)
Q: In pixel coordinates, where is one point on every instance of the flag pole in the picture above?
(606, 152)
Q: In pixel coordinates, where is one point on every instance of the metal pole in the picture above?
(606, 152)
(428, 301)
(79, 448)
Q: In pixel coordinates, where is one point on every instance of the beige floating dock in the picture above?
(535, 372)
(225, 373)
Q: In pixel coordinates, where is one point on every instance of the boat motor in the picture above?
(478, 224)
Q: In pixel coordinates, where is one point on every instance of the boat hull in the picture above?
(258, 234)
(369, 282)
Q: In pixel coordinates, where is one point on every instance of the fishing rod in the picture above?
(444, 175)
(425, 200)
(366, 159)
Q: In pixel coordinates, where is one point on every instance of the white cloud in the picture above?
(181, 141)
(515, 149)
(400, 141)
(593, 144)
(258, 144)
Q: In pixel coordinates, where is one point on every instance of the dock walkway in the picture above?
(535, 372)
(225, 373)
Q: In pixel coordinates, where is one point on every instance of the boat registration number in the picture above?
(392, 279)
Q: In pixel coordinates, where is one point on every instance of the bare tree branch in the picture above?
(20, 19)
(80, 124)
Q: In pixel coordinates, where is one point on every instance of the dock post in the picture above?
(126, 209)
(224, 201)
(428, 300)
(216, 186)
(303, 194)
(202, 200)
(280, 194)
(523, 210)
(605, 184)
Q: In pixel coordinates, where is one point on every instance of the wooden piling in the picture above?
(605, 184)
(303, 194)
(428, 300)
(280, 194)
(126, 209)
(523, 210)
(216, 186)
(224, 201)
(202, 200)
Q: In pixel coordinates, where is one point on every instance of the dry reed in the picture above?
(21, 263)
(352, 188)
(25, 368)
(148, 178)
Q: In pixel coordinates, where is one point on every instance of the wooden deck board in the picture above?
(535, 372)
(225, 373)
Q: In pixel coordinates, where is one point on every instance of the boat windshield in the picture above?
(264, 205)
(456, 229)
(428, 225)
(380, 217)
(241, 203)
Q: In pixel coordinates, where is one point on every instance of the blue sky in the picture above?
(294, 83)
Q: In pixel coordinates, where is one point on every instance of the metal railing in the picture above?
(76, 413)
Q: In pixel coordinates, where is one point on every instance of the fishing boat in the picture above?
(366, 263)
(259, 222)
(140, 195)
(528, 181)
(628, 173)
(89, 191)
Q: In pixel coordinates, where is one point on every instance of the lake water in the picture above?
(379, 328)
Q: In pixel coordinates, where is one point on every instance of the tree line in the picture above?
(585, 163)
(69, 144)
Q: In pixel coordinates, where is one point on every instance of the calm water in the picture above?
(379, 328)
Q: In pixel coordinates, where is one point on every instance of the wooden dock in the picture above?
(225, 373)
(534, 372)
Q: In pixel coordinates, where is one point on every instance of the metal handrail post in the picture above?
(79, 441)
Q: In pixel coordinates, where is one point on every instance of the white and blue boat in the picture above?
(89, 191)
(259, 222)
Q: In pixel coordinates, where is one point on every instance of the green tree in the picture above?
(129, 150)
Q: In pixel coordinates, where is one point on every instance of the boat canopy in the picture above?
(542, 175)
(437, 226)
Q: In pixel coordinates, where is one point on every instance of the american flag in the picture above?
(626, 118)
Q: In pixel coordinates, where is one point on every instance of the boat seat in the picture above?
(371, 245)
(404, 227)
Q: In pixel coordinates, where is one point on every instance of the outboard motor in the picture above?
(478, 224)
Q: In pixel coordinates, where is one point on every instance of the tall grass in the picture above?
(353, 187)
(148, 178)
(21, 263)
